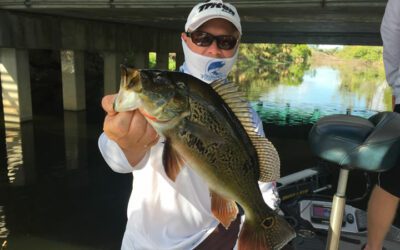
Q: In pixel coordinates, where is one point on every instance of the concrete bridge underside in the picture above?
(278, 21)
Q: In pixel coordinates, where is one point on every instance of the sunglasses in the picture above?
(204, 39)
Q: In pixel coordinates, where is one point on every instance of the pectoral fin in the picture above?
(172, 161)
(223, 209)
(203, 132)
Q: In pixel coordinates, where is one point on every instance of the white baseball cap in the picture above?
(212, 9)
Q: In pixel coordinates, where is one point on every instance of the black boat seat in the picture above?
(354, 142)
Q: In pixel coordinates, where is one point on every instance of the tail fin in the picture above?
(272, 233)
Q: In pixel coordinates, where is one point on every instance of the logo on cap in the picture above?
(221, 6)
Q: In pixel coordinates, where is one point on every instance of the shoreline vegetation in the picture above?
(326, 58)
(262, 67)
(361, 69)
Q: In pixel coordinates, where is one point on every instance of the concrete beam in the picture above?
(141, 59)
(170, 4)
(162, 60)
(316, 38)
(112, 71)
(180, 58)
(38, 31)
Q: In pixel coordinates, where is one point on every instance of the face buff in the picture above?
(207, 68)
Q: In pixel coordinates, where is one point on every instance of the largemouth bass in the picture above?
(210, 127)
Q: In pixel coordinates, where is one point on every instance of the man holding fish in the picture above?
(176, 140)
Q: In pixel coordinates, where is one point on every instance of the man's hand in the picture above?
(129, 130)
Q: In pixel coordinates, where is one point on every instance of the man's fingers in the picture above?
(117, 126)
(150, 132)
(107, 103)
(154, 141)
(150, 136)
(139, 123)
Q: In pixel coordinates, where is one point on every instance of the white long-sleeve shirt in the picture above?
(390, 32)
(163, 214)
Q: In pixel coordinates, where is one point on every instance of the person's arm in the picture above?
(127, 136)
(390, 32)
(115, 157)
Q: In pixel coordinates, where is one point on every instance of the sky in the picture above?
(329, 46)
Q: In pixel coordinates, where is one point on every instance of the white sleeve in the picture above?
(268, 189)
(390, 32)
(258, 123)
(270, 194)
(115, 157)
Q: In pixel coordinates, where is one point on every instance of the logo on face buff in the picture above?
(213, 71)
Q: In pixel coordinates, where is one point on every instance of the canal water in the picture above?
(56, 192)
(318, 95)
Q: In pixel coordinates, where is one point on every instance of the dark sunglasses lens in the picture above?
(204, 39)
(201, 38)
(226, 42)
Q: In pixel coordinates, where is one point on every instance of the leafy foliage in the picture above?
(367, 53)
(153, 61)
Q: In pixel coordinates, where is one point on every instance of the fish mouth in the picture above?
(127, 98)
(126, 101)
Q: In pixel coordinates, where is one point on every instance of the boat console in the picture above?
(350, 143)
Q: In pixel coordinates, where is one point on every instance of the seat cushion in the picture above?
(355, 142)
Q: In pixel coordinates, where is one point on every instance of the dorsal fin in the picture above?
(268, 157)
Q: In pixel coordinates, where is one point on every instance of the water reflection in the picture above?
(65, 199)
(321, 93)
(3, 229)
(20, 153)
(75, 139)
(14, 150)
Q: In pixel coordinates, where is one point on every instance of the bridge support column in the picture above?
(180, 58)
(162, 60)
(73, 80)
(16, 85)
(112, 72)
(17, 107)
(141, 59)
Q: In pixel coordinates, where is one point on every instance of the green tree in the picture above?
(152, 60)
(366, 53)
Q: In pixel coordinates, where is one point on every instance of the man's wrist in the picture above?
(134, 156)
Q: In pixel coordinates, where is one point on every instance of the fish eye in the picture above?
(180, 85)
